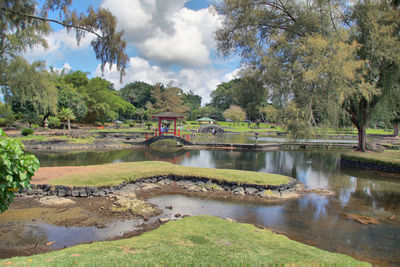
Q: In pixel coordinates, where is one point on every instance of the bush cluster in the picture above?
(27, 131)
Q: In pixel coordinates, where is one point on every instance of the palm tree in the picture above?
(66, 114)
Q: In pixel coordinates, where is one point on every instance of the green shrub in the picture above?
(27, 131)
(6, 121)
(16, 169)
(53, 122)
(149, 124)
(34, 126)
(131, 124)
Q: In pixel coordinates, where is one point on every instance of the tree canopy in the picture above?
(25, 24)
(317, 56)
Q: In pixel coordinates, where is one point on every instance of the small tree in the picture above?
(16, 169)
(235, 113)
(66, 114)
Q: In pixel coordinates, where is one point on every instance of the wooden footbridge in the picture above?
(165, 137)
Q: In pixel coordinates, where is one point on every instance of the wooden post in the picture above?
(175, 127)
(159, 125)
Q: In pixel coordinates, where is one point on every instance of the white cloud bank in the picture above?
(60, 43)
(166, 32)
(200, 81)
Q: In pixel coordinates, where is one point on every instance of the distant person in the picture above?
(162, 129)
(213, 131)
(166, 129)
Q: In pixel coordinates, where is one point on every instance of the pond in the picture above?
(313, 219)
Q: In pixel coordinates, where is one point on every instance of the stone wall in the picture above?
(86, 191)
(369, 166)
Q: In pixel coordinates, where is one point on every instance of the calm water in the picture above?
(312, 219)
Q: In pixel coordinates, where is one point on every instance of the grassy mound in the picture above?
(116, 173)
(388, 157)
(202, 240)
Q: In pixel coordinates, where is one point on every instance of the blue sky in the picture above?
(169, 41)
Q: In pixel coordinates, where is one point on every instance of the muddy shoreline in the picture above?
(77, 212)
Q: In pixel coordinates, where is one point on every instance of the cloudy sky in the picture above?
(168, 41)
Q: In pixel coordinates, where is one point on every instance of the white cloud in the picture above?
(201, 81)
(165, 31)
(59, 44)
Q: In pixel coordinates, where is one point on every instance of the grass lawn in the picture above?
(388, 157)
(202, 240)
(116, 173)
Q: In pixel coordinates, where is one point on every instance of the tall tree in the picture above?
(250, 94)
(193, 102)
(222, 96)
(66, 114)
(137, 93)
(104, 103)
(24, 24)
(323, 55)
(29, 89)
(235, 113)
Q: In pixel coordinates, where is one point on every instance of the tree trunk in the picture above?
(395, 129)
(69, 125)
(362, 138)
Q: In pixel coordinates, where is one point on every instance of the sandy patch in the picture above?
(45, 174)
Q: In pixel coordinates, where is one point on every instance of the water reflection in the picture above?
(313, 219)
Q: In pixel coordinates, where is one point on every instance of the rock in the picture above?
(185, 216)
(238, 191)
(178, 215)
(230, 220)
(75, 193)
(200, 183)
(61, 192)
(194, 188)
(82, 193)
(165, 182)
(360, 218)
(269, 194)
(213, 187)
(374, 147)
(321, 192)
(55, 201)
(150, 186)
(168, 207)
(30, 192)
(135, 206)
(251, 190)
(163, 220)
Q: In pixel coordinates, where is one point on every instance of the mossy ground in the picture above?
(388, 157)
(116, 173)
(202, 240)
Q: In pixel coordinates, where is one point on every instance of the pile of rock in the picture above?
(191, 184)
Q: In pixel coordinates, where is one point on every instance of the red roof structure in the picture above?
(167, 116)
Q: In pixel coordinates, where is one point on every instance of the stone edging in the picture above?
(369, 166)
(87, 191)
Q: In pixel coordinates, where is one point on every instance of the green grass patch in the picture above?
(80, 140)
(204, 240)
(388, 157)
(38, 138)
(116, 173)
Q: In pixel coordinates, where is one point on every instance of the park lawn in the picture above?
(388, 157)
(204, 240)
(116, 173)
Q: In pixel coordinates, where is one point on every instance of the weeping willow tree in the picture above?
(317, 57)
(25, 24)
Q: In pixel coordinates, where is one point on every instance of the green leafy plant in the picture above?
(149, 124)
(16, 169)
(53, 122)
(27, 131)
